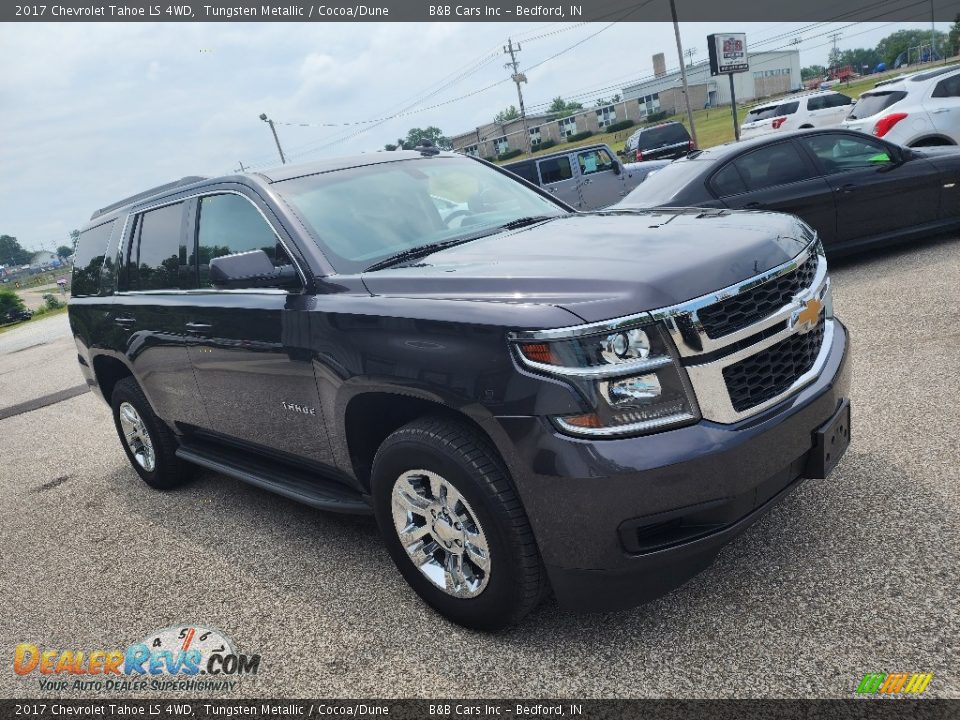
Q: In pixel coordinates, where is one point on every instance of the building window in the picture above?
(535, 136)
(649, 104)
(567, 126)
(606, 116)
(472, 150)
(501, 145)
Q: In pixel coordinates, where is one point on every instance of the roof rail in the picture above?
(188, 180)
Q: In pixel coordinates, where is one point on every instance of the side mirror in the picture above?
(252, 269)
(616, 168)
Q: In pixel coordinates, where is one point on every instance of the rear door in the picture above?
(147, 312)
(778, 177)
(557, 177)
(874, 194)
(827, 110)
(600, 183)
(943, 105)
(250, 348)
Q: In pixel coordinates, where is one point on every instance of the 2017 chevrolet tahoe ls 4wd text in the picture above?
(528, 399)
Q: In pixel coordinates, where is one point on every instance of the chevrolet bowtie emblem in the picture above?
(807, 317)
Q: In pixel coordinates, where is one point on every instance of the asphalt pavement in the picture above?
(855, 574)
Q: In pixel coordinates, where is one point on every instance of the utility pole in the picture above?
(683, 72)
(518, 77)
(835, 53)
(933, 35)
(263, 116)
(690, 52)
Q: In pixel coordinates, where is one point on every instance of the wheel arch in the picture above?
(108, 371)
(934, 140)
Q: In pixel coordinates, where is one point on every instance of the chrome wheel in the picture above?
(137, 438)
(441, 533)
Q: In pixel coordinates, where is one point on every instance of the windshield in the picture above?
(661, 187)
(662, 135)
(872, 103)
(360, 216)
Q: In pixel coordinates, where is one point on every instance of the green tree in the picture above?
(953, 37)
(506, 115)
(896, 43)
(603, 102)
(64, 251)
(74, 239)
(9, 301)
(415, 135)
(833, 59)
(562, 108)
(812, 72)
(12, 253)
(860, 57)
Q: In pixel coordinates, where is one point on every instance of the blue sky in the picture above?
(95, 112)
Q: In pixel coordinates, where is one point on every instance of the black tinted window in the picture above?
(774, 165)
(950, 87)
(526, 170)
(838, 99)
(230, 224)
(728, 182)
(761, 113)
(555, 170)
(838, 153)
(661, 135)
(788, 108)
(871, 103)
(157, 251)
(88, 260)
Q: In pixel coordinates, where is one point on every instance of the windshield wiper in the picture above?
(525, 222)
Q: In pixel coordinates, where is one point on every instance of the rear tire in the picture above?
(441, 484)
(149, 444)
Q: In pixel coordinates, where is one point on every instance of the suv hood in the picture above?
(606, 264)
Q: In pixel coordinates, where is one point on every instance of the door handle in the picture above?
(848, 188)
(553, 190)
(939, 110)
(752, 205)
(586, 181)
(198, 327)
(125, 321)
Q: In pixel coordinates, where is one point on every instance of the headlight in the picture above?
(630, 377)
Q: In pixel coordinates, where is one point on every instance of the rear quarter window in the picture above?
(872, 103)
(89, 259)
(526, 170)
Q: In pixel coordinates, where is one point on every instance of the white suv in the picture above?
(823, 108)
(915, 110)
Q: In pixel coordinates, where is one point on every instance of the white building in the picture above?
(770, 73)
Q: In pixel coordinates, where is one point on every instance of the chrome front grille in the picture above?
(743, 310)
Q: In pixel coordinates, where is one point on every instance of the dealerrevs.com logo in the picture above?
(894, 683)
(178, 658)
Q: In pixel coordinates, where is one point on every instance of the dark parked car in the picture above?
(666, 141)
(14, 316)
(526, 397)
(853, 189)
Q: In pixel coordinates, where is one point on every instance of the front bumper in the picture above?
(623, 521)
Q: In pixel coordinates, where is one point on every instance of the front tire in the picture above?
(149, 444)
(454, 525)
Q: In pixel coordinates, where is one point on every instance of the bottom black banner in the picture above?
(867, 709)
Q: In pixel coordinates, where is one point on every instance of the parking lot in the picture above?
(854, 574)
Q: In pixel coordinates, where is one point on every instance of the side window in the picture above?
(818, 102)
(838, 100)
(526, 170)
(728, 182)
(788, 108)
(156, 250)
(230, 224)
(839, 153)
(594, 161)
(555, 170)
(773, 165)
(949, 87)
(88, 261)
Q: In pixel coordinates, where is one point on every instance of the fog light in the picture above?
(632, 389)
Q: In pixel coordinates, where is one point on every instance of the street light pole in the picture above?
(683, 72)
(263, 116)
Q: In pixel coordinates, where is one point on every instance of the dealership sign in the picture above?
(728, 53)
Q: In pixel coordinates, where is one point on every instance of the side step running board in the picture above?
(301, 486)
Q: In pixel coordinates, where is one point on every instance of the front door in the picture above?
(600, 182)
(557, 177)
(874, 193)
(250, 348)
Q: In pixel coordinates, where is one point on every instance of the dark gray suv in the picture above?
(527, 398)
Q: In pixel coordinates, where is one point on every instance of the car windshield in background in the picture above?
(661, 187)
(870, 104)
(360, 216)
(662, 135)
